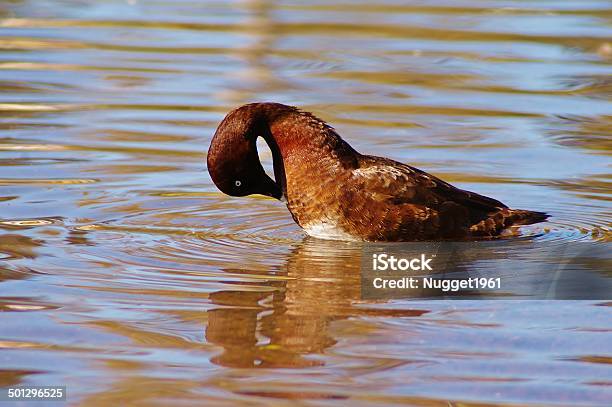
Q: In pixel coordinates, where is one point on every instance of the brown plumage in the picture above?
(334, 192)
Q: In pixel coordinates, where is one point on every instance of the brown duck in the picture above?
(334, 192)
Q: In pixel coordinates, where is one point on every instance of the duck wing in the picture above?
(451, 211)
(403, 183)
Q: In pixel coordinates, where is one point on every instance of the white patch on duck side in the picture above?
(385, 176)
(328, 230)
(379, 171)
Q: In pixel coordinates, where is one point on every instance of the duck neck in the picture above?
(303, 144)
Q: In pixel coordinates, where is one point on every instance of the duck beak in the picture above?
(271, 188)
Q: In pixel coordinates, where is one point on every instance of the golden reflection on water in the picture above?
(298, 323)
(127, 276)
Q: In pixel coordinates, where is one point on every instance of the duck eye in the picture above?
(238, 183)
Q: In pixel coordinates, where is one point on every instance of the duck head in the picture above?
(232, 160)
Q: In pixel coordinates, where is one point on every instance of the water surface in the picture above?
(127, 276)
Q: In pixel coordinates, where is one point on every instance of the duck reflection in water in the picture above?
(283, 325)
(286, 323)
(288, 320)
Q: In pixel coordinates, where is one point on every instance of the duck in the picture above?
(334, 192)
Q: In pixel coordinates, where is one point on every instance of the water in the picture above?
(127, 276)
